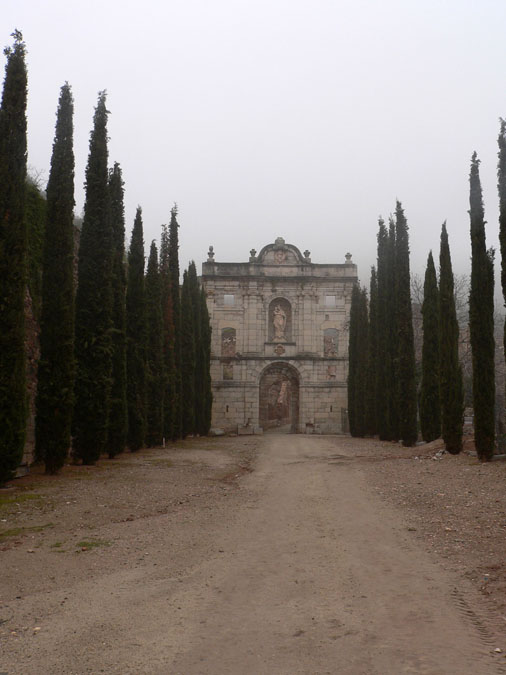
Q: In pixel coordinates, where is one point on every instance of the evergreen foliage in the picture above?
(383, 331)
(430, 401)
(392, 354)
(168, 336)
(118, 416)
(194, 290)
(358, 355)
(12, 259)
(451, 385)
(154, 351)
(187, 358)
(136, 338)
(177, 424)
(93, 336)
(35, 219)
(56, 366)
(371, 421)
(501, 185)
(206, 395)
(481, 322)
(407, 405)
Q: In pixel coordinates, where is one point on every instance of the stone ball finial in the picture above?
(348, 258)
(252, 255)
(210, 254)
(307, 255)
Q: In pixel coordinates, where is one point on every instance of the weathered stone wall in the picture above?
(312, 334)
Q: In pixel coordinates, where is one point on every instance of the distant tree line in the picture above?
(383, 396)
(125, 352)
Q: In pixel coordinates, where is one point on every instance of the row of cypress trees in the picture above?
(382, 379)
(111, 372)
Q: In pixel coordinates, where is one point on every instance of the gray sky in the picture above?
(266, 118)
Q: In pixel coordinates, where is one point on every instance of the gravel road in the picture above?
(264, 556)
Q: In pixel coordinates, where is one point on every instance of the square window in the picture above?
(228, 299)
(330, 301)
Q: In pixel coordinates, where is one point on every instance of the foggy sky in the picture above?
(266, 118)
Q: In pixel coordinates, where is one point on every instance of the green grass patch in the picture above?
(95, 543)
(8, 500)
(57, 544)
(20, 531)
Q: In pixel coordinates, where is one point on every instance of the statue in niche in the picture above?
(279, 322)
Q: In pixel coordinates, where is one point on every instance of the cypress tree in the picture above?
(362, 366)
(56, 365)
(382, 374)
(353, 360)
(177, 426)
(168, 336)
(205, 380)
(430, 402)
(118, 417)
(481, 322)
(12, 259)
(199, 402)
(392, 354)
(187, 358)
(93, 336)
(451, 386)
(407, 405)
(371, 424)
(154, 352)
(501, 185)
(136, 338)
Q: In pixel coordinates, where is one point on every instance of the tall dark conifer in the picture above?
(353, 359)
(168, 337)
(383, 365)
(371, 423)
(194, 290)
(430, 401)
(205, 379)
(136, 338)
(407, 405)
(93, 337)
(501, 185)
(118, 417)
(392, 353)
(12, 259)
(451, 386)
(177, 426)
(56, 366)
(154, 352)
(187, 358)
(481, 322)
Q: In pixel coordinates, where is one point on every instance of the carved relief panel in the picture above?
(228, 342)
(330, 342)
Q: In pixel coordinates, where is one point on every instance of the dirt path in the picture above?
(302, 570)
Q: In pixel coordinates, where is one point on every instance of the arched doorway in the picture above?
(279, 398)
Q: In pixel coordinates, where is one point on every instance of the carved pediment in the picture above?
(280, 253)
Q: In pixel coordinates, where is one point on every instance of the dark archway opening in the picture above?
(279, 399)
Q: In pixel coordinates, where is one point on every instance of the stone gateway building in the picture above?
(279, 353)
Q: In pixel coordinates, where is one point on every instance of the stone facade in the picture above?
(279, 354)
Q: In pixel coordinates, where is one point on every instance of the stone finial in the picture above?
(348, 258)
(279, 243)
(307, 256)
(252, 255)
(210, 254)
